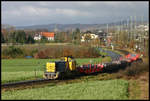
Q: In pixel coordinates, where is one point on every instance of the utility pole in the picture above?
(128, 30)
(107, 35)
(135, 21)
(141, 36)
(120, 25)
(131, 27)
(135, 34)
(121, 31)
(118, 33)
(115, 33)
(107, 28)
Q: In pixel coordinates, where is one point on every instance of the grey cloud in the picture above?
(25, 13)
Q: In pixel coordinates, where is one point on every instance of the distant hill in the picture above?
(6, 26)
(65, 27)
(62, 27)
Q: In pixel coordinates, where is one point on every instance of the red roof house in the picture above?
(48, 35)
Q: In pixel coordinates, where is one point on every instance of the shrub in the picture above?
(75, 51)
(17, 52)
(13, 52)
(41, 55)
(51, 51)
(136, 69)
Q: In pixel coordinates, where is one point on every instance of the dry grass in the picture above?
(139, 87)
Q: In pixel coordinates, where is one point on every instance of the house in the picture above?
(91, 36)
(37, 37)
(143, 27)
(102, 35)
(48, 35)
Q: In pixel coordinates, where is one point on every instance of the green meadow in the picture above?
(98, 90)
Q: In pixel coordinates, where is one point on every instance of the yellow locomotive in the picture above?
(56, 69)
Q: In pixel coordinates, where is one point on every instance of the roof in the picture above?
(47, 34)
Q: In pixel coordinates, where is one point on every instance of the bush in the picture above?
(12, 52)
(17, 52)
(41, 55)
(61, 51)
(52, 51)
(136, 69)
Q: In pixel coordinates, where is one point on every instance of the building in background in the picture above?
(49, 35)
(37, 37)
(143, 27)
(102, 35)
(88, 36)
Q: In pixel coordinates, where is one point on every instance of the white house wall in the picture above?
(50, 38)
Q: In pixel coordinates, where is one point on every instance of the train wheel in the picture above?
(51, 75)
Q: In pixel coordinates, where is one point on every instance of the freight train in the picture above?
(68, 65)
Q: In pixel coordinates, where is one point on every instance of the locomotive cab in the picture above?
(55, 69)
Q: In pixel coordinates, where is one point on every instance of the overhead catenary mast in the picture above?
(128, 30)
(107, 34)
(121, 29)
(135, 21)
(107, 28)
(131, 28)
(135, 27)
(118, 32)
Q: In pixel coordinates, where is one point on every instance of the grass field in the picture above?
(20, 76)
(14, 65)
(109, 89)
(26, 69)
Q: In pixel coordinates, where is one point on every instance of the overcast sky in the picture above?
(39, 12)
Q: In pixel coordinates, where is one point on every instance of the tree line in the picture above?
(26, 37)
(17, 36)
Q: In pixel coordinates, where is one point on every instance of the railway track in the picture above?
(36, 83)
(29, 82)
(113, 55)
